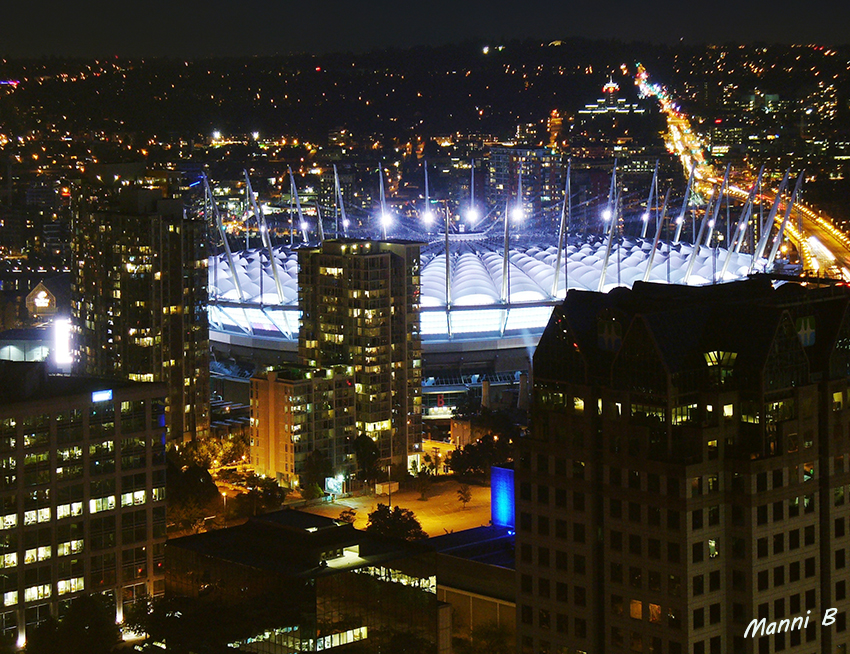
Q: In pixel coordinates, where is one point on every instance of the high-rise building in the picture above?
(139, 296)
(296, 410)
(685, 475)
(360, 308)
(542, 180)
(82, 493)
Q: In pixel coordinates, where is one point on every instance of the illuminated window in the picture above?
(636, 609)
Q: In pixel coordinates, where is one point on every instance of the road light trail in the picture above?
(832, 253)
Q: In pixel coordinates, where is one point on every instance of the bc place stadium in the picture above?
(487, 294)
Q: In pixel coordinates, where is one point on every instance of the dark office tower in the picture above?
(360, 308)
(139, 296)
(82, 494)
(685, 473)
(542, 183)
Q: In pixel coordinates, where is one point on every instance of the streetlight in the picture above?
(224, 495)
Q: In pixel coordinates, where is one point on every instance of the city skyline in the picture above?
(194, 29)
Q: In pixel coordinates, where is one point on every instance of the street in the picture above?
(441, 513)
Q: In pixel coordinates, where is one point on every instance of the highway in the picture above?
(824, 249)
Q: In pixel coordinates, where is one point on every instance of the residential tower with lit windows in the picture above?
(360, 308)
(139, 294)
(296, 410)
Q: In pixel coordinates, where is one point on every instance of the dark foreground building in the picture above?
(686, 473)
(295, 582)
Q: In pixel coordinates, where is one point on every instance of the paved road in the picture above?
(442, 512)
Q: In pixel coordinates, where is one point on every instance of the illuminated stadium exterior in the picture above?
(481, 318)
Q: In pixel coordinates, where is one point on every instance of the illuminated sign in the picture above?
(42, 300)
(101, 396)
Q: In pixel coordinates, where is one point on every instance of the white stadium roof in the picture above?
(477, 310)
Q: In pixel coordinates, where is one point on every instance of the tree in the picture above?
(263, 495)
(312, 492)
(317, 468)
(423, 476)
(87, 628)
(188, 515)
(478, 457)
(398, 523)
(464, 495)
(368, 455)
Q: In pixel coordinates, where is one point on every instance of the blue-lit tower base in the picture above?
(502, 507)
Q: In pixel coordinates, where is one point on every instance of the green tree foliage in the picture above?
(87, 628)
(192, 495)
(423, 475)
(263, 495)
(477, 458)
(214, 452)
(348, 515)
(464, 495)
(368, 455)
(317, 468)
(312, 492)
(398, 523)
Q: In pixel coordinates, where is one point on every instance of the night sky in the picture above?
(190, 28)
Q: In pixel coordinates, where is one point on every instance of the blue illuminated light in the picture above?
(101, 396)
(502, 511)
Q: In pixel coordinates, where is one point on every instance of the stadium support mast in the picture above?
(613, 218)
(768, 223)
(448, 266)
(384, 216)
(747, 213)
(505, 260)
(341, 204)
(319, 223)
(427, 188)
(693, 258)
(566, 218)
(659, 222)
(713, 222)
(652, 191)
(265, 238)
(223, 233)
(610, 209)
(294, 192)
(472, 188)
(680, 220)
(788, 207)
